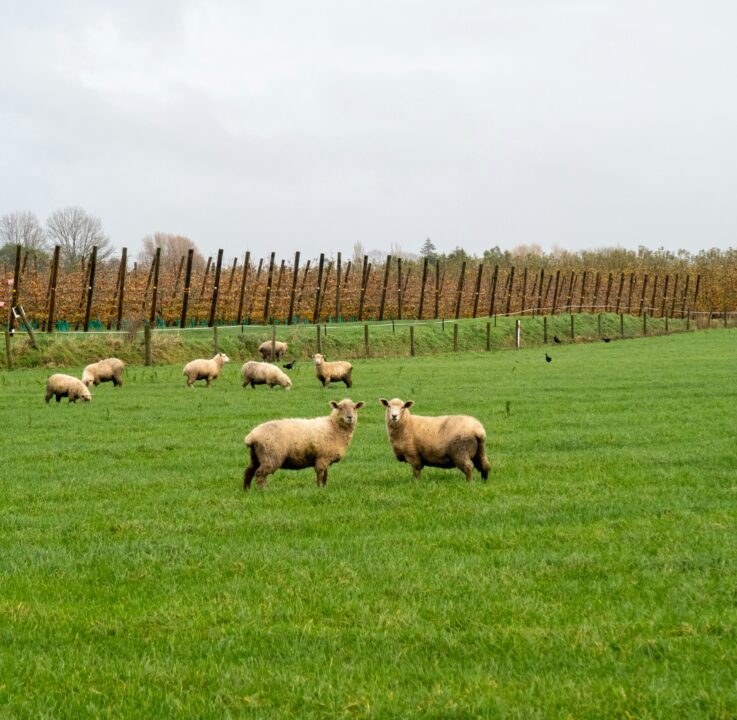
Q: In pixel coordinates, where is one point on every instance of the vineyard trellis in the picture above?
(97, 295)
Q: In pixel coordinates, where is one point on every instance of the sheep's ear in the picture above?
(333, 404)
(409, 403)
(360, 404)
(384, 402)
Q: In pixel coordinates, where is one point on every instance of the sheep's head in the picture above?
(88, 378)
(86, 396)
(395, 409)
(319, 359)
(223, 357)
(347, 411)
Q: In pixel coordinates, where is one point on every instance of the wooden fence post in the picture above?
(642, 295)
(215, 288)
(595, 297)
(399, 288)
(652, 299)
(545, 329)
(644, 322)
(215, 343)
(675, 292)
(8, 349)
(317, 329)
(492, 292)
(459, 290)
(269, 280)
(488, 336)
(273, 342)
(685, 295)
(412, 340)
(630, 290)
(187, 287)
(477, 289)
(157, 264)
(608, 293)
(583, 292)
(90, 288)
(619, 292)
(14, 295)
(573, 327)
(422, 287)
(455, 337)
(318, 289)
(52, 288)
(509, 291)
(621, 324)
(382, 304)
(364, 282)
(366, 339)
(437, 288)
(517, 333)
(555, 292)
(337, 287)
(523, 292)
(540, 291)
(295, 277)
(696, 291)
(665, 296)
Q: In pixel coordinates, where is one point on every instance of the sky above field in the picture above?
(313, 126)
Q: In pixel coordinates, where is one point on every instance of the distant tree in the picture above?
(173, 247)
(428, 250)
(76, 232)
(23, 228)
(358, 253)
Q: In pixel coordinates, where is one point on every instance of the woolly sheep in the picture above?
(204, 369)
(279, 349)
(296, 443)
(108, 370)
(326, 372)
(67, 386)
(263, 373)
(446, 441)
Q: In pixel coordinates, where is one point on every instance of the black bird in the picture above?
(548, 358)
(607, 339)
(290, 365)
(556, 339)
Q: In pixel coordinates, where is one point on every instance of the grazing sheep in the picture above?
(108, 370)
(326, 372)
(204, 369)
(296, 443)
(67, 386)
(279, 349)
(263, 373)
(446, 441)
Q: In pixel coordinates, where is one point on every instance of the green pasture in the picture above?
(593, 576)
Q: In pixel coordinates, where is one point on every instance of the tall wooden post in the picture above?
(399, 288)
(292, 296)
(269, 280)
(652, 299)
(157, 264)
(665, 296)
(14, 295)
(216, 288)
(696, 291)
(364, 282)
(644, 290)
(583, 292)
(121, 291)
(477, 289)
(382, 304)
(492, 292)
(90, 288)
(187, 287)
(630, 290)
(540, 291)
(555, 292)
(619, 292)
(510, 290)
(685, 294)
(318, 289)
(52, 288)
(254, 290)
(675, 292)
(242, 291)
(459, 290)
(437, 287)
(595, 297)
(523, 292)
(422, 288)
(608, 293)
(338, 268)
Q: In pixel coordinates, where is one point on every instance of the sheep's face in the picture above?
(395, 409)
(86, 396)
(223, 357)
(319, 359)
(347, 411)
(87, 378)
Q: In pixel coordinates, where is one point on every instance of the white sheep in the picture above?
(296, 443)
(202, 369)
(263, 373)
(445, 441)
(67, 386)
(108, 370)
(279, 349)
(337, 370)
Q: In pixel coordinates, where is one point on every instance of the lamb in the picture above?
(446, 441)
(67, 386)
(263, 373)
(279, 349)
(326, 372)
(296, 443)
(205, 369)
(108, 370)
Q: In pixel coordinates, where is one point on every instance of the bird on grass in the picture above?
(548, 358)
(290, 365)
(607, 339)
(556, 339)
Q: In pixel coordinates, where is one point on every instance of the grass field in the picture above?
(593, 576)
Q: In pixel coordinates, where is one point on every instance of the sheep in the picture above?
(326, 372)
(204, 369)
(263, 373)
(446, 441)
(279, 349)
(108, 370)
(296, 443)
(67, 386)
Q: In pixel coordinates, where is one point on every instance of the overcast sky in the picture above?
(313, 125)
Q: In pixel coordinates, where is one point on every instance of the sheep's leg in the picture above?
(48, 396)
(348, 382)
(250, 471)
(209, 380)
(465, 466)
(482, 462)
(416, 464)
(58, 397)
(321, 470)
